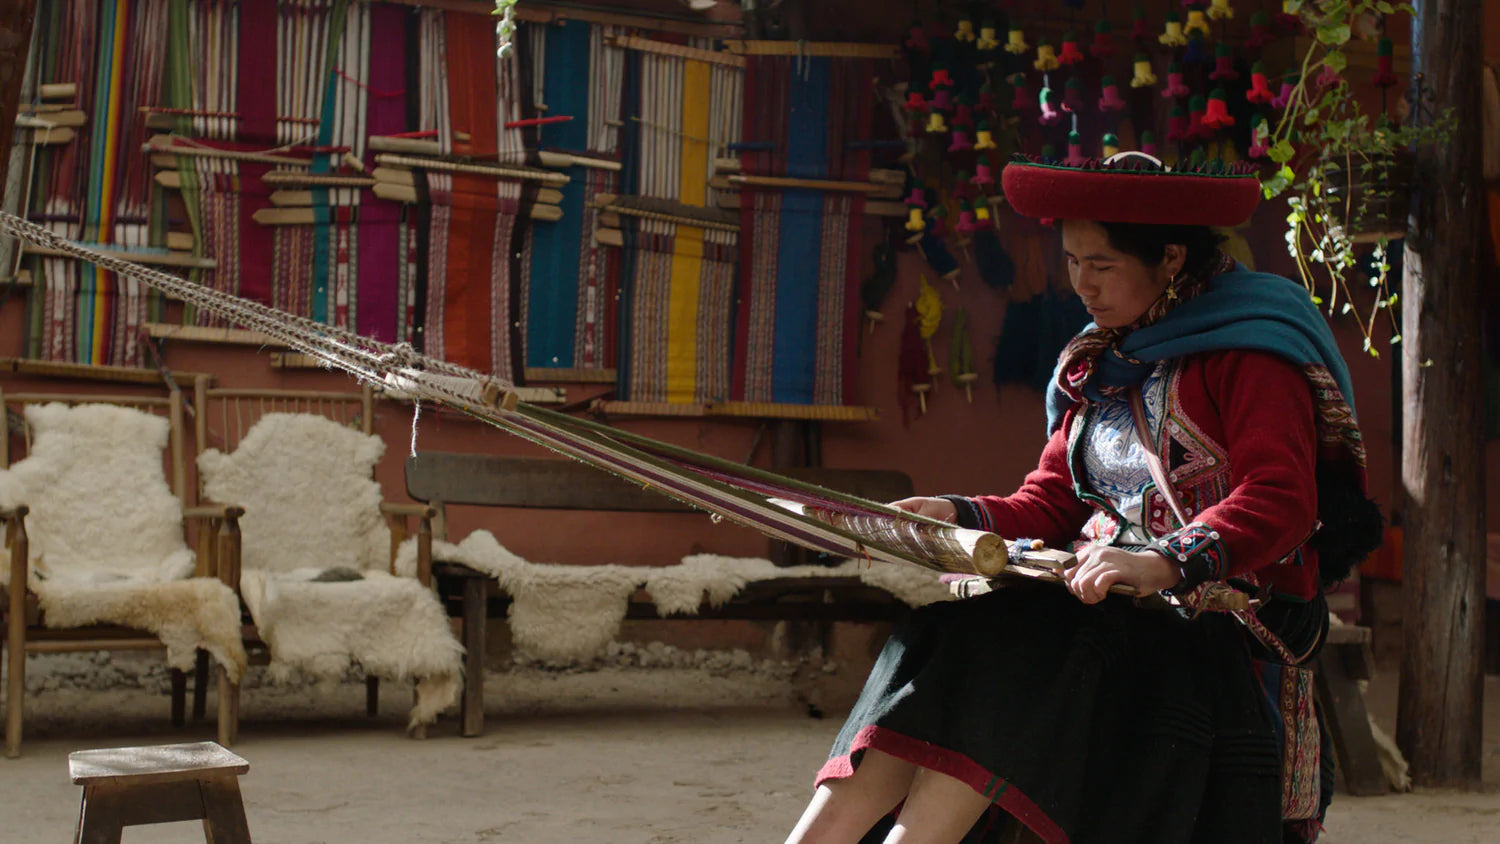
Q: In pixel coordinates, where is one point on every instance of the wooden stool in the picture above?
(131, 786)
(1343, 662)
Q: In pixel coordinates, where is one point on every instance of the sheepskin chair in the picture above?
(315, 560)
(106, 533)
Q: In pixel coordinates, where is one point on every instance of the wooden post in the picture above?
(16, 17)
(1440, 714)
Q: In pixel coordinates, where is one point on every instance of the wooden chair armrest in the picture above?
(213, 511)
(402, 508)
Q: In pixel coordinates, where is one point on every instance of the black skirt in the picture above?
(1104, 723)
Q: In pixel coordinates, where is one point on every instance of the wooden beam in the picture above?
(92, 372)
(1440, 715)
(16, 18)
(664, 48)
(540, 11)
(832, 49)
(204, 334)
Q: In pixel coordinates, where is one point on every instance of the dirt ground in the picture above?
(720, 751)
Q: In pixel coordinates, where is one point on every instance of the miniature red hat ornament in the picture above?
(1385, 74)
(1148, 143)
(1260, 88)
(1110, 95)
(1021, 101)
(1197, 110)
(1174, 87)
(1140, 30)
(916, 38)
(1288, 88)
(1070, 54)
(1133, 187)
(1177, 124)
(1260, 31)
(1217, 116)
(1103, 47)
(1075, 157)
(1224, 64)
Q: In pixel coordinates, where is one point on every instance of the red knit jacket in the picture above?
(1239, 443)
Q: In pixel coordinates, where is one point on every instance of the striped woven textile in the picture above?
(570, 281)
(677, 281)
(799, 255)
(83, 314)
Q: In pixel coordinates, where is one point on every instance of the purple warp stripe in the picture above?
(726, 505)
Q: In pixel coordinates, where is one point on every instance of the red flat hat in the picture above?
(1132, 188)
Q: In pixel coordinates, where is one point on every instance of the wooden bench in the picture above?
(439, 479)
(1337, 670)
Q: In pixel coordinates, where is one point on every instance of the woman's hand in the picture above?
(933, 508)
(1102, 566)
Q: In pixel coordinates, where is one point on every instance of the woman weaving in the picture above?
(1079, 712)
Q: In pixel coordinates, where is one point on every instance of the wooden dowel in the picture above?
(305, 395)
(810, 184)
(417, 146)
(277, 177)
(166, 144)
(831, 49)
(663, 48)
(284, 198)
(609, 237)
(550, 158)
(206, 334)
(180, 241)
(52, 137)
(73, 118)
(497, 171)
(306, 216)
(57, 91)
(161, 259)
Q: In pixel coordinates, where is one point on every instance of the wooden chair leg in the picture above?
(15, 687)
(202, 671)
(372, 696)
(179, 697)
(223, 812)
(476, 593)
(229, 710)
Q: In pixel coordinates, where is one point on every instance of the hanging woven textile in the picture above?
(795, 337)
(471, 311)
(114, 53)
(571, 279)
(677, 282)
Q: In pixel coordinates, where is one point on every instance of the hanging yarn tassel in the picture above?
(1050, 104)
(1109, 144)
(1073, 95)
(1385, 73)
(916, 101)
(1143, 77)
(1177, 124)
(935, 123)
(960, 142)
(1174, 88)
(1260, 87)
(1220, 10)
(984, 139)
(1224, 64)
(1110, 95)
(1015, 42)
(1070, 54)
(1046, 57)
(1260, 31)
(1288, 22)
(988, 39)
(964, 33)
(1075, 150)
(1140, 28)
(877, 285)
(961, 355)
(911, 367)
(1197, 50)
(1288, 89)
(1197, 110)
(966, 224)
(1022, 101)
(987, 103)
(1103, 46)
(1197, 22)
(1217, 116)
(1148, 143)
(1260, 136)
(995, 267)
(916, 203)
(929, 307)
(936, 252)
(916, 38)
(984, 175)
(1172, 34)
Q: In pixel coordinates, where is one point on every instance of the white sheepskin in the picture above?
(565, 614)
(311, 504)
(105, 533)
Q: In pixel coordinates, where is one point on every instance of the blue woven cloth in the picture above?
(1240, 309)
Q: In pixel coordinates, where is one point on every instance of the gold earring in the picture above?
(1172, 289)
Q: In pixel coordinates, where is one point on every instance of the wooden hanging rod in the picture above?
(160, 259)
(93, 372)
(540, 11)
(279, 177)
(205, 334)
(167, 144)
(830, 49)
(663, 48)
(523, 173)
(810, 184)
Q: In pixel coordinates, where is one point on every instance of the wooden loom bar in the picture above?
(71, 118)
(550, 158)
(206, 334)
(165, 144)
(92, 372)
(544, 176)
(751, 410)
(57, 90)
(810, 184)
(162, 259)
(310, 395)
(395, 193)
(830, 49)
(663, 48)
(277, 177)
(88, 398)
(572, 376)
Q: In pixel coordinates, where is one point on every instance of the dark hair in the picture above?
(1149, 242)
